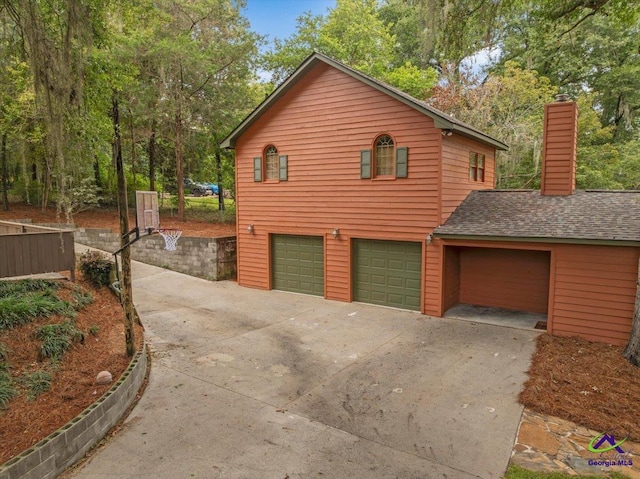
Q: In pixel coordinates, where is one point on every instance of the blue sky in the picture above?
(277, 18)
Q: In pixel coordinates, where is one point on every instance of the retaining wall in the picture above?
(208, 258)
(62, 448)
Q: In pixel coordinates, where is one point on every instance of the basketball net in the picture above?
(170, 238)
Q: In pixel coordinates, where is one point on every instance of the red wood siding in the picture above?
(504, 278)
(322, 123)
(451, 291)
(456, 184)
(595, 289)
(433, 279)
(559, 148)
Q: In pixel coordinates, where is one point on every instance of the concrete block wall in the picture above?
(208, 258)
(100, 238)
(62, 448)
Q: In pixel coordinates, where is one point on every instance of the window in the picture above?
(272, 165)
(275, 166)
(384, 156)
(476, 167)
(385, 160)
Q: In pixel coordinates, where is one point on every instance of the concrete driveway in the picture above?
(255, 384)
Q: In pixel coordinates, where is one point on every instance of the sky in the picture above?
(277, 18)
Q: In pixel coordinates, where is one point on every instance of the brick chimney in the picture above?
(559, 147)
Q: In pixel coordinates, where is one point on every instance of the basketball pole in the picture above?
(125, 252)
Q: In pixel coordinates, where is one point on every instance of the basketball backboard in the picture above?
(147, 215)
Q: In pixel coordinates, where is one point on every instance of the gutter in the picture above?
(537, 239)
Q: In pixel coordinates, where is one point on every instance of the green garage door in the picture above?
(387, 273)
(297, 264)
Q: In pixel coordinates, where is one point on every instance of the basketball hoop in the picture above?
(170, 238)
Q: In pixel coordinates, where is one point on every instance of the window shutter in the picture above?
(402, 161)
(365, 164)
(257, 169)
(283, 167)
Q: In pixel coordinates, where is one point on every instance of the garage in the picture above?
(497, 277)
(387, 273)
(297, 264)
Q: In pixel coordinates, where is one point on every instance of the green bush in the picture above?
(96, 267)
(57, 339)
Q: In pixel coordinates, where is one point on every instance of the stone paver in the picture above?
(550, 444)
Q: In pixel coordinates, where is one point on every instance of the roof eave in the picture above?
(536, 239)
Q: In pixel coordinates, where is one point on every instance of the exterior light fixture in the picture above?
(335, 233)
(250, 229)
(429, 238)
(447, 132)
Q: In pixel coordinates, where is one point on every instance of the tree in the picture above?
(508, 106)
(632, 350)
(355, 34)
(195, 66)
(57, 37)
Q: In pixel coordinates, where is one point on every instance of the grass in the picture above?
(10, 288)
(81, 299)
(57, 339)
(7, 390)
(18, 309)
(516, 472)
(4, 354)
(37, 382)
(203, 208)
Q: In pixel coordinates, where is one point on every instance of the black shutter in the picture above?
(402, 162)
(257, 169)
(283, 167)
(365, 164)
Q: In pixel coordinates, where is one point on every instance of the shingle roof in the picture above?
(585, 215)
(441, 119)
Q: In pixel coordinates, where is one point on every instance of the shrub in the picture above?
(57, 339)
(96, 267)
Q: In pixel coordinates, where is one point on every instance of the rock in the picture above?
(538, 438)
(104, 377)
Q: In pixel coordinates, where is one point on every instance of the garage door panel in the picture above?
(298, 264)
(387, 273)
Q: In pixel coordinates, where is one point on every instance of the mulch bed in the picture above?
(591, 384)
(74, 387)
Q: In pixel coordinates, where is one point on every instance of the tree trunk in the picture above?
(219, 179)
(152, 157)
(133, 154)
(5, 174)
(123, 212)
(179, 172)
(632, 351)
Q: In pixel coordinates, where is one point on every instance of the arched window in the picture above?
(384, 156)
(271, 162)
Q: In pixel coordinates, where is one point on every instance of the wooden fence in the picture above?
(27, 249)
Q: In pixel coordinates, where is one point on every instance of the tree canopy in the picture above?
(185, 73)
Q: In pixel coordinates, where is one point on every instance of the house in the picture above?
(349, 189)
